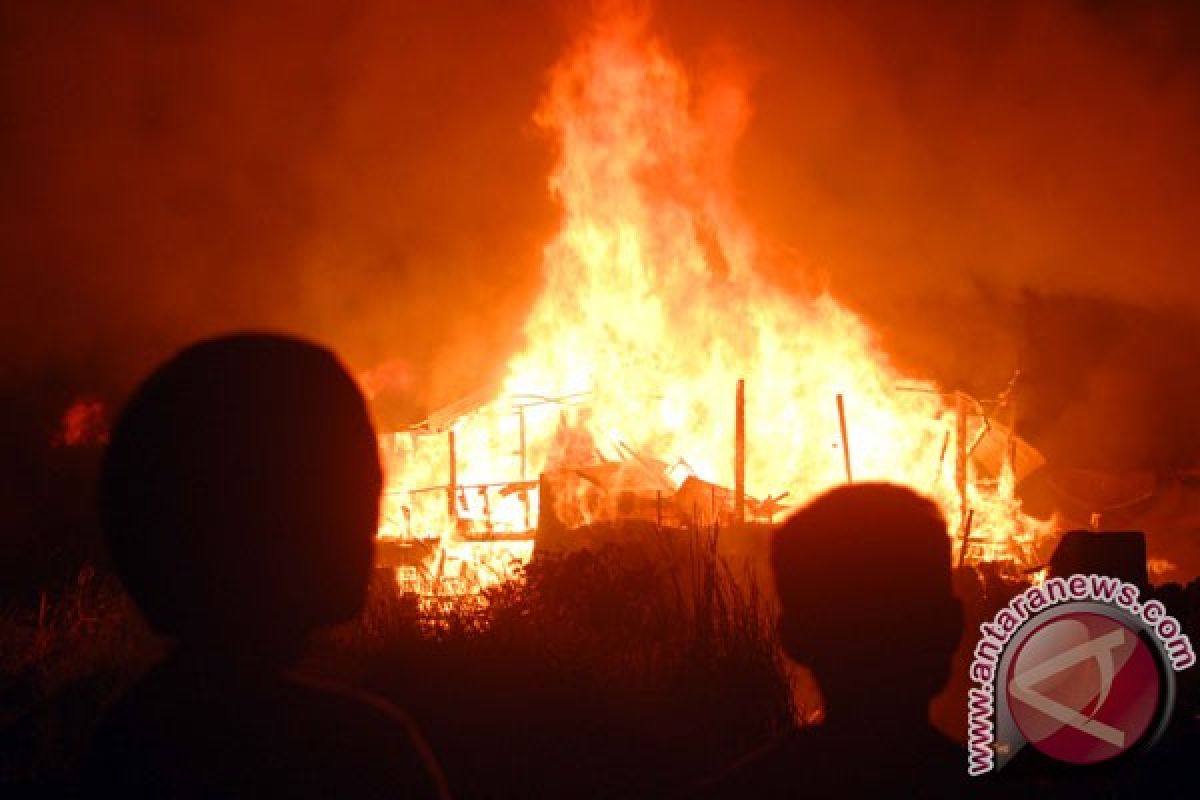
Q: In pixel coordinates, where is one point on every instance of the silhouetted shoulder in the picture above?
(816, 763)
(239, 455)
(186, 731)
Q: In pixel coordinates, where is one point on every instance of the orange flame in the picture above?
(652, 310)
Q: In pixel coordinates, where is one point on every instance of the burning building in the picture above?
(662, 376)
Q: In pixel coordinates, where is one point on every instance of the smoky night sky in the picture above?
(991, 185)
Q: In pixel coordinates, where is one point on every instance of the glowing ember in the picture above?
(652, 311)
(82, 425)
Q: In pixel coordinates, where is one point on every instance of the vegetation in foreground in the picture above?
(602, 674)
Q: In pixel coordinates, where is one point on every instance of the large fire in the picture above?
(651, 314)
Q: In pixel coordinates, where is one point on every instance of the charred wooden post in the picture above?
(487, 510)
(937, 473)
(1012, 434)
(439, 570)
(960, 458)
(841, 407)
(739, 454)
(522, 453)
(968, 521)
(528, 508)
(452, 479)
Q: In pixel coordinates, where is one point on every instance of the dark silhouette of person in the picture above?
(240, 496)
(863, 575)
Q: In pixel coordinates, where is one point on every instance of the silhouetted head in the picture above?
(1121, 554)
(864, 581)
(240, 494)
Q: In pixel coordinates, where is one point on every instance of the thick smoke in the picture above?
(994, 186)
(370, 175)
(358, 173)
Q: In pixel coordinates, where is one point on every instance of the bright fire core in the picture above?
(651, 312)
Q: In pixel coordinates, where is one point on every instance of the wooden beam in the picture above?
(739, 454)
(841, 407)
(452, 479)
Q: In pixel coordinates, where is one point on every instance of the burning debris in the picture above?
(453, 539)
(664, 379)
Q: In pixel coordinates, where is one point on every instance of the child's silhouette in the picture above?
(240, 499)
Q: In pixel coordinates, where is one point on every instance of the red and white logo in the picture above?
(1083, 687)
